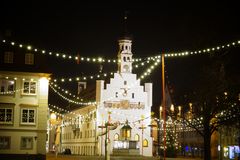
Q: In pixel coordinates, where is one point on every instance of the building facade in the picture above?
(118, 123)
(23, 102)
(23, 113)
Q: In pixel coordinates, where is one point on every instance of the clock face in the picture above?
(126, 68)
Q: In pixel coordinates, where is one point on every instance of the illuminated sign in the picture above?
(124, 104)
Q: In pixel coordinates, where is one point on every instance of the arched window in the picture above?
(145, 143)
(136, 137)
(116, 137)
(124, 59)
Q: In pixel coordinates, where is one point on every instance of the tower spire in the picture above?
(125, 50)
(125, 23)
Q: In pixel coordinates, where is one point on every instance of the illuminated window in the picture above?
(27, 143)
(8, 57)
(29, 87)
(6, 115)
(29, 58)
(7, 86)
(116, 137)
(28, 116)
(5, 142)
(136, 137)
(145, 143)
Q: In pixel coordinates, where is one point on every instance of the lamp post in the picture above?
(107, 140)
(142, 128)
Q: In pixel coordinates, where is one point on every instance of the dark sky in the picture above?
(92, 29)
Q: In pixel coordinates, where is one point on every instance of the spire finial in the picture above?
(125, 23)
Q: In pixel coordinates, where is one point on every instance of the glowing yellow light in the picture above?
(35, 50)
(77, 78)
(31, 79)
(172, 108)
(20, 45)
(50, 53)
(64, 56)
(12, 43)
(94, 59)
(4, 41)
(43, 51)
(29, 47)
(70, 57)
(62, 80)
(99, 59)
(57, 54)
(53, 116)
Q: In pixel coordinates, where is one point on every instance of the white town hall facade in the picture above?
(121, 115)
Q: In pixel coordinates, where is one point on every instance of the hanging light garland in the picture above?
(70, 100)
(64, 55)
(103, 60)
(200, 51)
(102, 75)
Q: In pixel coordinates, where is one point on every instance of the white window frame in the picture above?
(28, 144)
(6, 143)
(28, 116)
(6, 83)
(29, 58)
(5, 115)
(8, 57)
(29, 87)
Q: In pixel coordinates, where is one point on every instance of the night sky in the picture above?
(92, 29)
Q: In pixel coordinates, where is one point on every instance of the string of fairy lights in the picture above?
(71, 115)
(104, 60)
(197, 122)
(100, 75)
(65, 56)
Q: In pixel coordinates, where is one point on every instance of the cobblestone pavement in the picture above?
(77, 157)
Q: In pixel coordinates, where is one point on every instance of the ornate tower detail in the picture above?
(125, 55)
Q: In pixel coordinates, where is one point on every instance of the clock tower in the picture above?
(125, 55)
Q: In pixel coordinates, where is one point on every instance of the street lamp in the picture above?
(107, 140)
(142, 128)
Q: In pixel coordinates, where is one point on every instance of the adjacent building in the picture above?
(23, 105)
